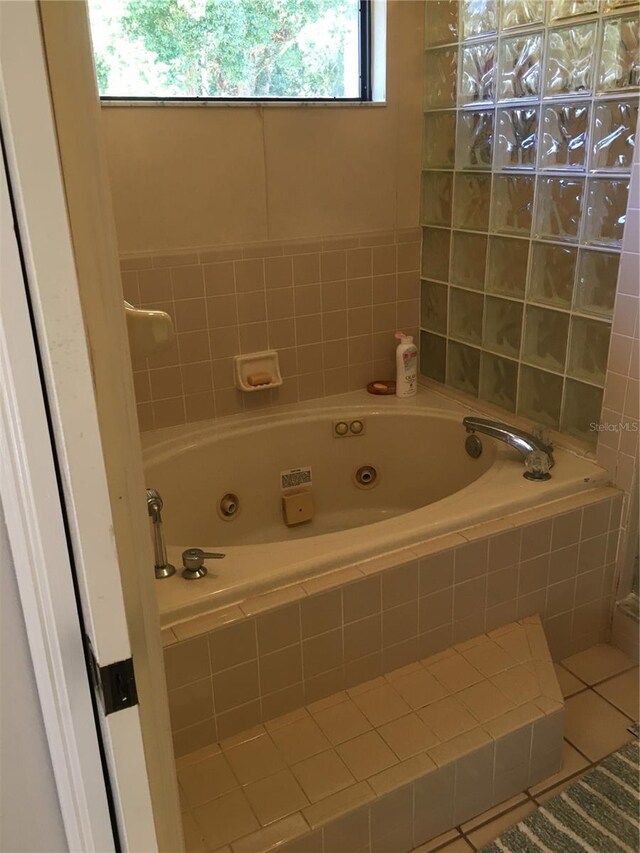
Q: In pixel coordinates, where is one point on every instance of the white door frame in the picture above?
(57, 497)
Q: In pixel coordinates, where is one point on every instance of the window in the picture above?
(232, 49)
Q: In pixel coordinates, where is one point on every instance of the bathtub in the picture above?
(425, 486)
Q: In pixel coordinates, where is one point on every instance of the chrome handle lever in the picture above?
(193, 562)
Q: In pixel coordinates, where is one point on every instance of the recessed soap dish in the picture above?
(258, 371)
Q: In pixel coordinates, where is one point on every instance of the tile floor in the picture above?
(600, 686)
(291, 764)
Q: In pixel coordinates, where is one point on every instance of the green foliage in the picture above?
(239, 48)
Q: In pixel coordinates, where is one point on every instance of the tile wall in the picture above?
(530, 113)
(330, 308)
(298, 645)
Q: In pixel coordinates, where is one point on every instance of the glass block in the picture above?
(439, 140)
(440, 22)
(516, 138)
(502, 326)
(620, 56)
(477, 17)
(465, 315)
(545, 338)
(614, 129)
(559, 208)
(520, 60)
(508, 259)
(582, 408)
(606, 210)
(498, 381)
(433, 356)
(564, 136)
(435, 253)
(472, 201)
(478, 72)
(552, 272)
(433, 306)
(616, 4)
(588, 350)
(440, 72)
(570, 8)
(519, 13)
(539, 396)
(512, 204)
(474, 144)
(468, 259)
(595, 289)
(463, 367)
(437, 190)
(570, 60)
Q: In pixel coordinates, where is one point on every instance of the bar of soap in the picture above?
(254, 379)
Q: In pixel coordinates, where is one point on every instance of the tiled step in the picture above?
(388, 764)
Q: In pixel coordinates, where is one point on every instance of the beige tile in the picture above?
(518, 683)
(190, 704)
(460, 845)
(255, 759)
(419, 688)
(496, 827)
(225, 819)
(593, 726)
(408, 736)
(327, 702)
(280, 669)
(198, 755)
(206, 779)
(273, 836)
(236, 686)
(572, 763)
(569, 684)
(461, 745)
(381, 704)
(238, 720)
(515, 643)
(194, 737)
(278, 629)
(485, 701)
(366, 755)
(322, 775)
(232, 645)
(492, 813)
(406, 771)
(438, 842)
(185, 662)
(193, 840)
(320, 613)
(597, 663)
(622, 691)
(286, 719)
(275, 797)
(322, 653)
(338, 804)
(545, 796)
(299, 740)
(342, 722)
(454, 673)
(362, 638)
(400, 585)
(447, 718)
(488, 658)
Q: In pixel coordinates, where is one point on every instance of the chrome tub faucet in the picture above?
(536, 449)
(163, 568)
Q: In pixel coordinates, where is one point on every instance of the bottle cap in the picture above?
(406, 339)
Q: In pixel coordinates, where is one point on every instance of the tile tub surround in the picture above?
(329, 306)
(249, 663)
(392, 762)
(522, 182)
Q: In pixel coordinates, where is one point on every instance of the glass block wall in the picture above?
(530, 110)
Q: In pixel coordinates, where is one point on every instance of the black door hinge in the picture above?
(115, 682)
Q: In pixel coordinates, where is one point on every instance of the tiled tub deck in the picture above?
(247, 664)
(388, 764)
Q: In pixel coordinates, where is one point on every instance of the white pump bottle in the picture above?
(406, 366)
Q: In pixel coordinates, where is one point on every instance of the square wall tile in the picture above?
(559, 208)
(516, 138)
(552, 274)
(474, 139)
(581, 410)
(512, 204)
(437, 188)
(588, 350)
(463, 368)
(472, 201)
(540, 396)
(468, 260)
(545, 338)
(619, 57)
(440, 68)
(565, 131)
(507, 266)
(465, 320)
(570, 60)
(520, 66)
(439, 140)
(433, 356)
(478, 72)
(502, 326)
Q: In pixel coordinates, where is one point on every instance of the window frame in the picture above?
(365, 80)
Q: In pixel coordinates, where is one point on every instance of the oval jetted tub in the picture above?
(425, 485)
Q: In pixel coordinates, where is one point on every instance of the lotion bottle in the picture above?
(406, 366)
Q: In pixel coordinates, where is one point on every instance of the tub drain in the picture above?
(366, 476)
